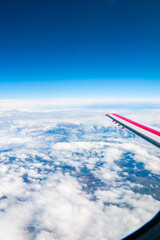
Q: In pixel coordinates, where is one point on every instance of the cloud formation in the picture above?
(71, 174)
(75, 103)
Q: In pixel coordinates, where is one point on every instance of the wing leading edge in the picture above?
(149, 134)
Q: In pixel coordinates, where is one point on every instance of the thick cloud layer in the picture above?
(72, 174)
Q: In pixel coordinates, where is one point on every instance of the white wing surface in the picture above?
(150, 134)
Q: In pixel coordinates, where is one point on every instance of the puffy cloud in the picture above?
(71, 174)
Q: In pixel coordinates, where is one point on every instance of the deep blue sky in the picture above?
(79, 48)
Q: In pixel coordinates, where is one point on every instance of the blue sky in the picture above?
(79, 49)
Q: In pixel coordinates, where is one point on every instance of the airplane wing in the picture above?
(149, 134)
(150, 230)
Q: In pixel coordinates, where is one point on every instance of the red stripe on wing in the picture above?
(139, 125)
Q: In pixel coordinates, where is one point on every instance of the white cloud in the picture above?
(69, 103)
(65, 174)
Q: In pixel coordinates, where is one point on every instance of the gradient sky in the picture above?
(79, 48)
